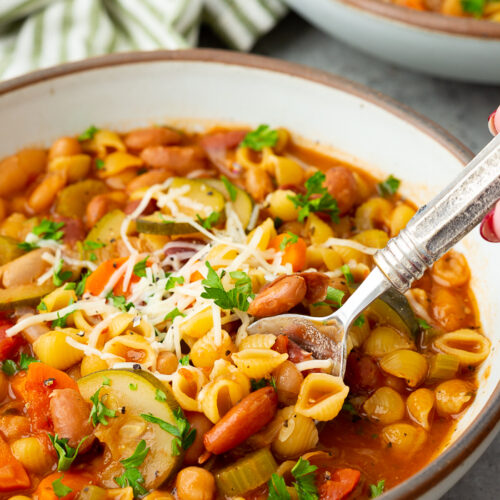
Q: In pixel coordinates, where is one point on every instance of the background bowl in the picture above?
(203, 86)
(452, 47)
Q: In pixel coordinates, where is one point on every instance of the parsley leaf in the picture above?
(389, 186)
(99, 164)
(173, 314)
(60, 489)
(277, 488)
(88, 134)
(132, 387)
(210, 221)
(106, 381)
(26, 360)
(231, 188)
(236, 298)
(288, 240)
(475, 7)
(59, 276)
(140, 268)
(119, 301)
(27, 246)
(332, 295)
(183, 432)
(42, 306)
(9, 367)
(92, 245)
(61, 320)
(346, 271)
(305, 483)
(160, 395)
(349, 408)
(80, 286)
(360, 320)
(184, 361)
(99, 411)
(316, 199)
(65, 453)
(46, 230)
(423, 324)
(132, 475)
(172, 281)
(263, 136)
(377, 489)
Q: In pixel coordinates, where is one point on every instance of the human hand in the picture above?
(490, 227)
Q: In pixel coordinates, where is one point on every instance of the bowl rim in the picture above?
(484, 424)
(430, 21)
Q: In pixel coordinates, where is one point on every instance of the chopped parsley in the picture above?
(60, 489)
(92, 245)
(475, 7)
(172, 281)
(236, 298)
(184, 361)
(423, 324)
(140, 268)
(346, 271)
(46, 230)
(59, 276)
(88, 134)
(132, 387)
(173, 314)
(389, 186)
(183, 432)
(106, 381)
(25, 360)
(9, 367)
(42, 306)
(65, 453)
(160, 395)
(80, 286)
(256, 384)
(360, 320)
(132, 475)
(263, 136)
(277, 488)
(316, 199)
(210, 221)
(231, 188)
(119, 301)
(305, 483)
(99, 164)
(290, 239)
(61, 320)
(333, 295)
(377, 489)
(99, 413)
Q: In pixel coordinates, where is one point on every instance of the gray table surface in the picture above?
(461, 108)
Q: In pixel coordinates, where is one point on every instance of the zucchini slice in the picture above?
(107, 230)
(243, 204)
(24, 295)
(9, 250)
(72, 201)
(154, 224)
(201, 199)
(132, 393)
(246, 474)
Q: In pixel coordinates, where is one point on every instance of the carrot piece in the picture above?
(12, 473)
(76, 481)
(342, 482)
(18, 385)
(293, 253)
(40, 382)
(196, 276)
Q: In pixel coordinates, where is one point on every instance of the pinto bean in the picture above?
(342, 185)
(70, 416)
(179, 159)
(317, 286)
(279, 297)
(142, 138)
(258, 183)
(250, 415)
(148, 179)
(24, 269)
(288, 381)
(202, 425)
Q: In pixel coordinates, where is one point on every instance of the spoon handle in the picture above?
(446, 219)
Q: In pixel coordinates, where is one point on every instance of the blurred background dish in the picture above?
(461, 48)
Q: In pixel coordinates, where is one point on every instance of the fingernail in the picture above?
(490, 227)
(494, 122)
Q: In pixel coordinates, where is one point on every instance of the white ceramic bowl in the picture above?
(452, 47)
(128, 90)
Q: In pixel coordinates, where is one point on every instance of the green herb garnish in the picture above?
(99, 413)
(60, 489)
(140, 268)
(377, 489)
(65, 453)
(290, 239)
(263, 136)
(389, 186)
(132, 475)
(88, 134)
(231, 188)
(210, 221)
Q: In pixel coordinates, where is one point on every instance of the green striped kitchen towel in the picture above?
(40, 33)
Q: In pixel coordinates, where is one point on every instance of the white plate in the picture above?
(127, 90)
(452, 47)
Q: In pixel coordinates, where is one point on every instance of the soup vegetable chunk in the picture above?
(131, 266)
(480, 9)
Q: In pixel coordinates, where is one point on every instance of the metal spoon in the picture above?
(433, 230)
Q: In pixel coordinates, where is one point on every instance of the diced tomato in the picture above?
(341, 483)
(41, 380)
(285, 345)
(12, 473)
(76, 481)
(8, 345)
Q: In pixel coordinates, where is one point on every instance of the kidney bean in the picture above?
(148, 179)
(180, 159)
(222, 140)
(342, 185)
(250, 415)
(279, 297)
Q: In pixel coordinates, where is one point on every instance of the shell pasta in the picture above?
(131, 266)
